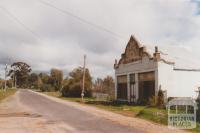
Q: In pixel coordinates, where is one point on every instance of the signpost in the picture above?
(182, 113)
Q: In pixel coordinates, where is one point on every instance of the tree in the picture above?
(1, 83)
(198, 105)
(34, 81)
(45, 78)
(73, 87)
(198, 109)
(56, 79)
(9, 83)
(44, 82)
(21, 71)
(65, 81)
(52, 82)
(105, 85)
(109, 85)
(98, 85)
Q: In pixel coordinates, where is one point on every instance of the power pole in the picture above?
(1, 83)
(198, 93)
(83, 85)
(13, 82)
(15, 78)
(5, 76)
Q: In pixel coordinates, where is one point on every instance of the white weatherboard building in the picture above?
(143, 70)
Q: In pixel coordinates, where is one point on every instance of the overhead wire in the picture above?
(16, 19)
(82, 19)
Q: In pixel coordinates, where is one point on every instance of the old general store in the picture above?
(144, 69)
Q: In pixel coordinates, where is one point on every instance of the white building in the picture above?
(143, 70)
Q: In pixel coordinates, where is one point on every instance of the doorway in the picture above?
(132, 93)
(146, 86)
(122, 87)
(132, 88)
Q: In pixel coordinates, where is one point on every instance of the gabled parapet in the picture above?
(135, 51)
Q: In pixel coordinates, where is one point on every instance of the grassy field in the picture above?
(144, 112)
(8, 92)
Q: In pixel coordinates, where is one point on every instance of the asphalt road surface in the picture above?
(76, 120)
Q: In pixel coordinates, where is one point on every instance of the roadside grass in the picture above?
(148, 113)
(197, 129)
(8, 92)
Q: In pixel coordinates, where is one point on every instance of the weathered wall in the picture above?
(139, 66)
(144, 65)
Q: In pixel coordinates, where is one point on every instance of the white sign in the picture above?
(182, 113)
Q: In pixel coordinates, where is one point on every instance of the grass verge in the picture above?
(8, 92)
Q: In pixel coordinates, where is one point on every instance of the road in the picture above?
(31, 112)
(75, 119)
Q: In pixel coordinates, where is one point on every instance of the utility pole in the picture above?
(5, 76)
(1, 83)
(15, 79)
(83, 85)
(13, 82)
(198, 92)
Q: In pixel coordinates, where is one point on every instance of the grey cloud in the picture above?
(63, 39)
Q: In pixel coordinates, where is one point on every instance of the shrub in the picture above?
(142, 101)
(198, 110)
(47, 88)
(73, 86)
(160, 99)
(75, 90)
(153, 101)
(157, 101)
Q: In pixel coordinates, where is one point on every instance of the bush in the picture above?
(75, 90)
(198, 110)
(157, 101)
(153, 101)
(47, 88)
(160, 99)
(142, 101)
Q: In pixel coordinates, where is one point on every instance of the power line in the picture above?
(81, 19)
(20, 22)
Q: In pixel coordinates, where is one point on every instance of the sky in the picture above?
(57, 33)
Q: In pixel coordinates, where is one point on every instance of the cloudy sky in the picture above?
(57, 33)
